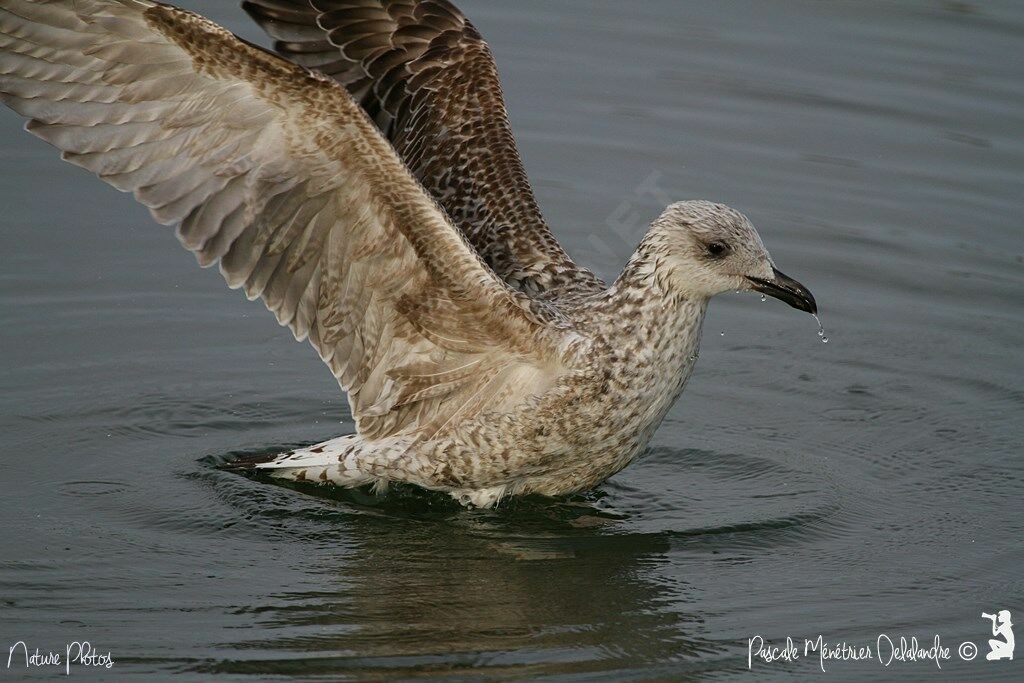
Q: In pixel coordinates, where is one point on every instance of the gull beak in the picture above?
(785, 288)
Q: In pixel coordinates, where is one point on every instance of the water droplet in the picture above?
(721, 334)
(821, 330)
(763, 298)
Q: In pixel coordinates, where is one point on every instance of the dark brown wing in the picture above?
(427, 78)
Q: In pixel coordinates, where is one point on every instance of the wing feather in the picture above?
(277, 175)
(424, 74)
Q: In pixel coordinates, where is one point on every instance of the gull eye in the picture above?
(718, 249)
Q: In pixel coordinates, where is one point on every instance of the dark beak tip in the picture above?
(788, 290)
(808, 303)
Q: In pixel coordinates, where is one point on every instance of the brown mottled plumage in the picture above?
(424, 74)
(477, 357)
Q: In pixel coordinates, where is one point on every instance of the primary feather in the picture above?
(274, 172)
(425, 75)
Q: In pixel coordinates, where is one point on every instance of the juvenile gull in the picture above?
(367, 188)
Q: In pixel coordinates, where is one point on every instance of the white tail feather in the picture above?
(330, 461)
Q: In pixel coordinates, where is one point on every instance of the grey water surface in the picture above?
(872, 485)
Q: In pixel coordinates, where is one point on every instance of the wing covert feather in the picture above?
(276, 174)
(425, 75)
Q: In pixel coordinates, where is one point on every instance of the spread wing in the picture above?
(276, 173)
(422, 71)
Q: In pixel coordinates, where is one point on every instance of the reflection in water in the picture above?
(411, 583)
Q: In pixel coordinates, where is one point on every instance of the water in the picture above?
(867, 486)
(821, 328)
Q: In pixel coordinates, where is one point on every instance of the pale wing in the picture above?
(277, 174)
(423, 72)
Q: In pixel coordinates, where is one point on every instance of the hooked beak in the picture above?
(785, 288)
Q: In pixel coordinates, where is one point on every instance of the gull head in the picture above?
(706, 249)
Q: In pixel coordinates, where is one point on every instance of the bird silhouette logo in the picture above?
(1001, 626)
